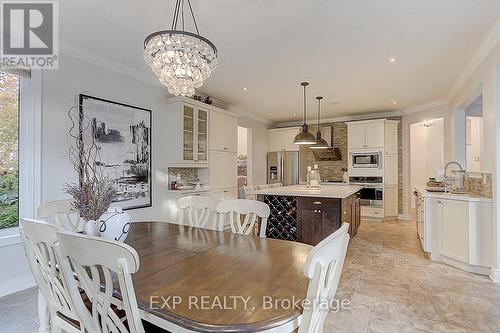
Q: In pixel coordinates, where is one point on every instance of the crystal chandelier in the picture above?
(182, 60)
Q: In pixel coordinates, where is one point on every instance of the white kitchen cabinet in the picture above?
(194, 134)
(458, 230)
(283, 138)
(223, 170)
(224, 194)
(356, 136)
(391, 201)
(223, 132)
(276, 140)
(455, 230)
(391, 138)
(390, 165)
(374, 135)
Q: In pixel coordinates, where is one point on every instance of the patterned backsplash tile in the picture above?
(187, 174)
(482, 185)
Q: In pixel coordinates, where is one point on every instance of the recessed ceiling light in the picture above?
(393, 59)
(295, 114)
(245, 88)
(394, 102)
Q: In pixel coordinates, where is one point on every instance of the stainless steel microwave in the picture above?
(367, 160)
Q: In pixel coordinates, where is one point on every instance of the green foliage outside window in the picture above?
(9, 132)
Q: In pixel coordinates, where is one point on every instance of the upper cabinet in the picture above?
(365, 135)
(282, 139)
(223, 132)
(391, 138)
(373, 134)
(194, 134)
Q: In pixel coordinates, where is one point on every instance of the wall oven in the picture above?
(367, 160)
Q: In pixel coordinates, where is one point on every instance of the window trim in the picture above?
(30, 138)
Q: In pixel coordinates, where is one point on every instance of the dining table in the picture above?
(201, 280)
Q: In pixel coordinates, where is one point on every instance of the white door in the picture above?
(391, 201)
(217, 131)
(276, 140)
(391, 139)
(374, 135)
(356, 136)
(230, 134)
(289, 137)
(455, 230)
(217, 169)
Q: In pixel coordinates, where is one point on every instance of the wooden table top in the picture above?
(186, 263)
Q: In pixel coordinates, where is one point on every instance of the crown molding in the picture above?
(486, 46)
(143, 76)
(426, 106)
(364, 116)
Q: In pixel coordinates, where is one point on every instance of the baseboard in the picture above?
(407, 217)
(495, 275)
(15, 285)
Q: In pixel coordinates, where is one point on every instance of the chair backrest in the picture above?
(249, 192)
(95, 261)
(323, 267)
(64, 214)
(264, 186)
(274, 185)
(243, 214)
(197, 211)
(39, 239)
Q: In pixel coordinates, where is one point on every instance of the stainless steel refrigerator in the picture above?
(283, 167)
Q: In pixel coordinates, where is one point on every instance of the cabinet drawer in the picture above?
(372, 212)
(317, 203)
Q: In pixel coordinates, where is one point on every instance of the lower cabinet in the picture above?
(318, 218)
(455, 229)
(224, 194)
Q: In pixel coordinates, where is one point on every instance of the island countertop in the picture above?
(325, 191)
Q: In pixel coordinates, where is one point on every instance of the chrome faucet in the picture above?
(447, 179)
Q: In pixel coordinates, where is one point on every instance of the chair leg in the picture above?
(43, 314)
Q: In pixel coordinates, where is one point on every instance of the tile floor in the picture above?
(394, 288)
(390, 285)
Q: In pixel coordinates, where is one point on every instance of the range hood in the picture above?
(327, 154)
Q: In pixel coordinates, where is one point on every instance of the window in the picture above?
(9, 139)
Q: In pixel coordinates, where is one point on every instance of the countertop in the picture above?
(326, 191)
(451, 196)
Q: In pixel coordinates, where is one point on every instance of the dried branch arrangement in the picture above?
(94, 192)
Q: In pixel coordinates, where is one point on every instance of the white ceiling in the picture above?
(341, 47)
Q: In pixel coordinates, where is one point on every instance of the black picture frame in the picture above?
(125, 200)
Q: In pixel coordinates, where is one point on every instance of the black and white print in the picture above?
(123, 135)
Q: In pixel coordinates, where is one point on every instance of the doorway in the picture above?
(426, 152)
(244, 157)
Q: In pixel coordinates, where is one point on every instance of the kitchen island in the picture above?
(310, 215)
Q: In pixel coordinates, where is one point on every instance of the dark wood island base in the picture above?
(309, 220)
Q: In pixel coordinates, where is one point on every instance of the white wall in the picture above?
(242, 140)
(60, 89)
(487, 76)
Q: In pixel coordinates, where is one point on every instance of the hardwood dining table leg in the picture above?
(43, 314)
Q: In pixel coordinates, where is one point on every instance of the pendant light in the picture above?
(304, 137)
(320, 142)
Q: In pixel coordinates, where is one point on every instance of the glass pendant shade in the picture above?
(182, 60)
(320, 142)
(304, 137)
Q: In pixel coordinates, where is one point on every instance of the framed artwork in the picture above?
(123, 134)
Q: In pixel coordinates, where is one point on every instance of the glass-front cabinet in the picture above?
(194, 134)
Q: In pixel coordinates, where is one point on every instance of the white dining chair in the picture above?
(38, 239)
(243, 214)
(197, 211)
(63, 213)
(94, 262)
(248, 192)
(323, 267)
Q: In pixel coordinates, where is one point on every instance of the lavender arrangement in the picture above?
(94, 192)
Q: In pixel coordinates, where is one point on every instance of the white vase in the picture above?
(92, 228)
(114, 224)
